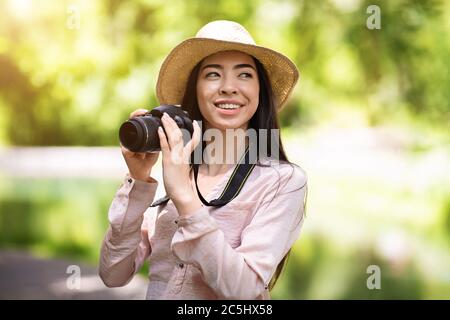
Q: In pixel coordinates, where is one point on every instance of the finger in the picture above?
(138, 112)
(172, 124)
(173, 132)
(165, 149)
(196, 137)
(129, 153)
(175, 139)
(126, 151)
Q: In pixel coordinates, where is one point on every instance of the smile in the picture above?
(227, 106)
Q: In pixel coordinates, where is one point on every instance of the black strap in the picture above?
(235, 183)
(160, 201)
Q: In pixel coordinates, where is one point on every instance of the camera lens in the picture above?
(140, 134)
(130, 135)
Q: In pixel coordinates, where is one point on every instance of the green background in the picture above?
(368, 121)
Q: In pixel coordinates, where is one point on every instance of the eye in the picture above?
(246, 75)
(212, 74)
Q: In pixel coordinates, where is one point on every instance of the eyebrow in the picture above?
(238, 66)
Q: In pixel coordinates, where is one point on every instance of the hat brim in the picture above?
(180, 62)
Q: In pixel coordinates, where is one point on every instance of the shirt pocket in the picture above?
(233, 218)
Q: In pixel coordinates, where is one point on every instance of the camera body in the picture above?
(140, 134)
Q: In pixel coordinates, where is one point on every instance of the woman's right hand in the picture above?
(139, 164)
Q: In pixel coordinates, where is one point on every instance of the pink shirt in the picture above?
(229, 252)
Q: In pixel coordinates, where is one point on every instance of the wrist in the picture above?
(144, 178)
(187, 204)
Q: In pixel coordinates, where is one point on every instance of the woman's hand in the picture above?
(139, 164)
(175, 161)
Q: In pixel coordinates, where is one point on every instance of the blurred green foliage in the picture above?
(71, 67)
(64, 217)
(72, 71)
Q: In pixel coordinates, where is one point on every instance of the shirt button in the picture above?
(181, 265)
(176, 221)
(130, 180)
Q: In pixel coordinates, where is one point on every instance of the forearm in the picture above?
(124, 248)
(187, 205)
(117, 262)
(128, 206)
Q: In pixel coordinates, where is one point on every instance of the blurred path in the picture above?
(23, 276)
(62, 162)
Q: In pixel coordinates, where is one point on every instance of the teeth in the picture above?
(227, 106)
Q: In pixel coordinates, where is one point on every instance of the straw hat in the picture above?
(219, 36)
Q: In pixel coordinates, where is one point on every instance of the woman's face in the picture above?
(228, 90)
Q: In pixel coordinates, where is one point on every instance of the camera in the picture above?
(140, 134)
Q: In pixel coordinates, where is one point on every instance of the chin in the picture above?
(231, 126)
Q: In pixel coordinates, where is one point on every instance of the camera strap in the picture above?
(234, 185)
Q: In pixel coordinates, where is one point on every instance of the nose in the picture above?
(228, 86)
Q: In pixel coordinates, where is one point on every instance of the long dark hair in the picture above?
(265, 117)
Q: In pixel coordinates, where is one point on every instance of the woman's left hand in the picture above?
(175, 161)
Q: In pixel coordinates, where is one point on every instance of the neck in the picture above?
(224, 151)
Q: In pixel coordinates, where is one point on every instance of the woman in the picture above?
(234, 251)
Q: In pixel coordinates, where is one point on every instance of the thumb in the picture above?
(196, 135)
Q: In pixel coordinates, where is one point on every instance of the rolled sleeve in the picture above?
(129, 204)
(125, 245)
(192, 228)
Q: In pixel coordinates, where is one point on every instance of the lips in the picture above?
(228, 104)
